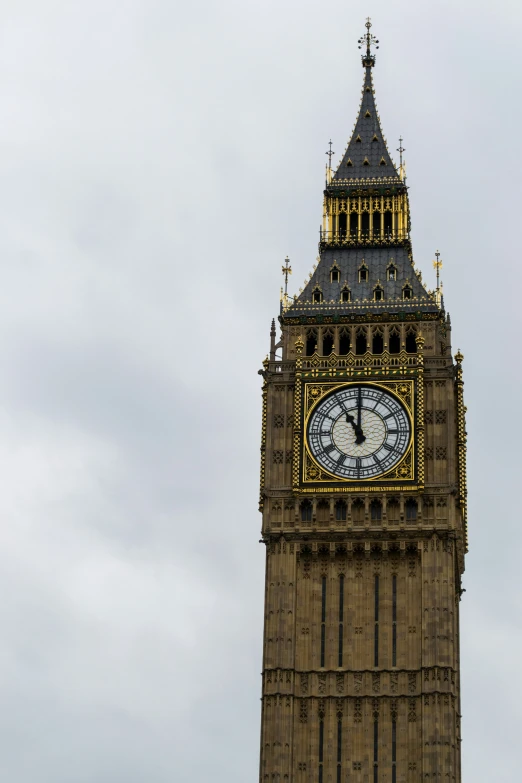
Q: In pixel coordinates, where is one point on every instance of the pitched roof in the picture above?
(366, 155)
(378, 262)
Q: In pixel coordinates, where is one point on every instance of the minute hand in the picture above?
(359, 436)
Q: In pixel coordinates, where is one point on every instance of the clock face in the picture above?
(359, 432)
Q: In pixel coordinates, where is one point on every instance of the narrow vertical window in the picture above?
(341, 618)
(321, 748)
(323, 618)
(394, 750)
(375, 750)
(339, 748)
(394, 620)
(376, 637)
(342, 225)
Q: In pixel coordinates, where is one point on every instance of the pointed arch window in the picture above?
(395, 340)
(368, 113)
(328, 342)
(317, 295)
(311, 342)
(376, 510)
(387, 222)
(378, 293)
(340, 511)
(377, 341)
(411, 340)
(358, 140)
(361, 343)
(391, 272)
(306, 511)
(382, 162)
(363, 273)
(349, 162)
(344, 341)
(335, 273)
(366, 162)
(407, 292)
(411, 510)
(346, 294)
(375, 137)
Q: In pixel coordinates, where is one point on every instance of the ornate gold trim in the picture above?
(461, 445)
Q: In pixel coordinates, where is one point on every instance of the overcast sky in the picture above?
(157, 162)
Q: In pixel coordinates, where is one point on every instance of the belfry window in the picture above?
(392, 272)
(407, 292)
(387, 222)
(376, 223)
(311, 342)
(328, 343)
(411, 341)
(344, 342)
(343, 218)
(354, 224)
(361, 345)
(377, 342)
(395, 341)
(365, 223)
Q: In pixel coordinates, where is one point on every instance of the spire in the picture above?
(366, 156)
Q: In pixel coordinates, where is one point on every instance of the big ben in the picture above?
(363, 496)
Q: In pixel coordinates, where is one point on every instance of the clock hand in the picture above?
(359, 437)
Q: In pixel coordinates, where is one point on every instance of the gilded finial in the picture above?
(299, 344)
(368, 59)
(438, 265)
(459, 358)
(402, 165)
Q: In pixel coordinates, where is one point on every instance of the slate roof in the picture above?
(349, 261)
(371, 147)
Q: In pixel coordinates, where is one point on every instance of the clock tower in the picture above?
(363, 496)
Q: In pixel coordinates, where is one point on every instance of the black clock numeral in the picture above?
(341, 460)
(387, 447)
(329, 448)
(393, 432)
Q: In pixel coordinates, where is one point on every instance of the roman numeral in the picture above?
(329, 448)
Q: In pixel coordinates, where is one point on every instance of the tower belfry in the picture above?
(363, 495)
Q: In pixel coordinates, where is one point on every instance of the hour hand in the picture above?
(359, 437)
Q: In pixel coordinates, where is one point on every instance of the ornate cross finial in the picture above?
(401, 149)
(368, 59)
(438, 265)
(330, 153)
(287, 270)
(402, 166)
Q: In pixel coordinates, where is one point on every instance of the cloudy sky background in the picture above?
(157, 162)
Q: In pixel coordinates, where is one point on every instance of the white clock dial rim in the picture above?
(387, 438)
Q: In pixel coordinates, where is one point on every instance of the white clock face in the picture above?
(359, 432)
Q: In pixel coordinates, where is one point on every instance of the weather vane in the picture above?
(370, 40)
(330, 153)
(437, 265)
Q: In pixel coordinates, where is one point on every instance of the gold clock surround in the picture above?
(312, 474)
